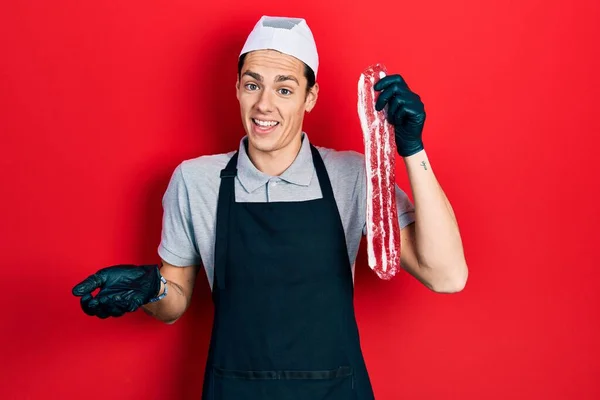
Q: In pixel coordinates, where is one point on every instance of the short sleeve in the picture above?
(178, 244)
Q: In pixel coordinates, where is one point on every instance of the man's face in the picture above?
(272, 94)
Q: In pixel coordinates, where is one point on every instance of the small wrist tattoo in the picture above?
(424, 164)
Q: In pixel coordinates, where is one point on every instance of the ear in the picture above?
(237, 88)
(311, 98)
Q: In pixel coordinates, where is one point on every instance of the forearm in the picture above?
(438, 243)
(171, 307)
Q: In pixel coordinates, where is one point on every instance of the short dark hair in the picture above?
(309, 74)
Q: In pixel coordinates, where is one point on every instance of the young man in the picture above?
(276, 226)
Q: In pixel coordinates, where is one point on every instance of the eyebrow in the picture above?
(278, 78)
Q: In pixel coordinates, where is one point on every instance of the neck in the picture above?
(274, 163)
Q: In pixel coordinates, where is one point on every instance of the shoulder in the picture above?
(206, 165)
(202, 172)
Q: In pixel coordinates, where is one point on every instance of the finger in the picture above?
(117, 314)
(103, 303)
(113, 310)
(85, 305)
(117, 311)
(134, 305)
(390, 80)
(385, 96)
(105, 300)
(88, 285)
(108, 297)
(394, 106)
(116, 305)
(93, 305)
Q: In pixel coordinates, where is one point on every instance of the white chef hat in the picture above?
(290, 36)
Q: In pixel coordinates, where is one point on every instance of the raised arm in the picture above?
(432, 248)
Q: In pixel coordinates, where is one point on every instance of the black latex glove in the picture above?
(405, 112)
(123, 288)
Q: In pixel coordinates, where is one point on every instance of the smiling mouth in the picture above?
(264, 123)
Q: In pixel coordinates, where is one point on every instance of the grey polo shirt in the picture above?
(190, 201)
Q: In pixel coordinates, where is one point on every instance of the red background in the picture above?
(99, 102)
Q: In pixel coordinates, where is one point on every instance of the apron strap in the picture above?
(322, 174)
(326, 188)
(226, 197)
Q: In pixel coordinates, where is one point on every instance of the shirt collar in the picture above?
(300, 172)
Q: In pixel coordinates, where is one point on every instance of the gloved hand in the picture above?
(405, 112)
(123, 288)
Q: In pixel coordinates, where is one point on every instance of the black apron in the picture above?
(284, 325)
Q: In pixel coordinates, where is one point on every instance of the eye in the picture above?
(251, 86)
(285, 92)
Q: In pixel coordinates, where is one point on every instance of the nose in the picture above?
(265, 102)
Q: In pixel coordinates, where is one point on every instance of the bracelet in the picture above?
(162, 296)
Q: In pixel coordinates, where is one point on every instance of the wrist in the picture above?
(162, 288)
(407, 144)
(407, 149)
(162, 291)
(411, 153)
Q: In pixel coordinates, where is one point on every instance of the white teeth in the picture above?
(265, 123)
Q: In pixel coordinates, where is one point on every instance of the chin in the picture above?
(265, 142)
(262, 144)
